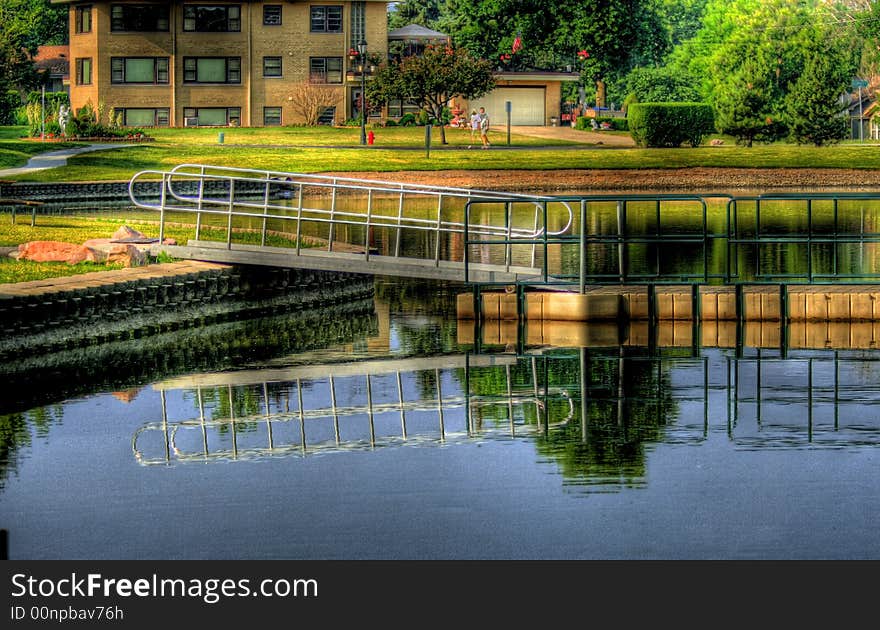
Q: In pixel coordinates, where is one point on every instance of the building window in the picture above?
(213, 116)
(212, 69)
(84, 71)
(272, 14)
(326, 19)
(84, 19)
(139, 17)
(271, 116)
(325, 69)
(144, 117)
(150, 70)
(398, 107)
(327, 116)
(271, 66)
(203, 18)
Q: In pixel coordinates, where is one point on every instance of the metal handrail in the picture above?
(728, 234)
(202, 173)
(249, 193)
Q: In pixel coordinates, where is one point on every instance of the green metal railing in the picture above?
(706, 239)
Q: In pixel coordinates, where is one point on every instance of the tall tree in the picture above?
(615, 36)
(815, 112)
(431, 80)
(24, 26)
(424, 12)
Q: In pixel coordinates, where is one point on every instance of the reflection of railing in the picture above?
(624, 395)
(699, 240)
(295, 199)
(321, 429)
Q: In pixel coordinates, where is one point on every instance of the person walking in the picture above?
(475, 127)
(484, 128)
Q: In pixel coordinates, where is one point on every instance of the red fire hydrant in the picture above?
(370, 137)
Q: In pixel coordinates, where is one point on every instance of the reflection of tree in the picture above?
(627, 404)
(15, 433)
(425, 320)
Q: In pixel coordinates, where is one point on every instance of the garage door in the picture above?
(526, 105)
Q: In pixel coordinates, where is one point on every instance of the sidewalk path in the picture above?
(53, 159)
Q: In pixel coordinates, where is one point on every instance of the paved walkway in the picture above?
(53, 159)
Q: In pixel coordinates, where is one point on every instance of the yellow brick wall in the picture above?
(292, 40)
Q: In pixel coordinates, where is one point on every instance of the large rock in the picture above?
(126, 253)
(93, 250)
(50, 251)
(127, 234)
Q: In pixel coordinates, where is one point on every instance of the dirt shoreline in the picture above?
(716, 180)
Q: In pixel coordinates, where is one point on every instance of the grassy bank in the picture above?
(15, 152)
(312, 150)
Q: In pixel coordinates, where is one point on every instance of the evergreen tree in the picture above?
(815, 110)
(744, 108)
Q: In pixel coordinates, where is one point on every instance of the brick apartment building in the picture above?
(216, 63)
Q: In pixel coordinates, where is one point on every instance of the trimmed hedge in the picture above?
(617, 124)
(670, 124)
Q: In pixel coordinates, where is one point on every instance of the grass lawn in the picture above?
(15, 152)
(12, 271)
(327, 149)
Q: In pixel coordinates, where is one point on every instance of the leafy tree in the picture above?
(659, 85)
(744, 109)
(816, 113)
(431, 80)
(24, 26)
(424, 12)
(615, 36)
(683, 18)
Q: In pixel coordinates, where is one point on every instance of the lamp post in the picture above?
(362, 66)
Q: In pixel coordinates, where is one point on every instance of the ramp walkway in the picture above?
(258, 217)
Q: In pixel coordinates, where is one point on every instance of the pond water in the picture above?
(397, 436)
(389, 430)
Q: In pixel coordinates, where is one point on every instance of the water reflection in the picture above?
(594, 413)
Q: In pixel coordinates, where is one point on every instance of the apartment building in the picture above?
(213, 63)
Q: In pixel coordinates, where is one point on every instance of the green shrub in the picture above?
(390, 123)
(407, 120)
(670, 124)
(10, 102)
(617, 124)
(21, 117)
(37, 119)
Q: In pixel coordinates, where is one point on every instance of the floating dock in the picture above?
(680, 303)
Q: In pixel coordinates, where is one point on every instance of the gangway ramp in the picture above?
(282, 219)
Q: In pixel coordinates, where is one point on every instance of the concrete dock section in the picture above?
(682, 303)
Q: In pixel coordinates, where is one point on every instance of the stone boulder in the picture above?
(126, 234)
(106, 251)
(51, 251)
(94, 250)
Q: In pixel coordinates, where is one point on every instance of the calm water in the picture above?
(539, 448)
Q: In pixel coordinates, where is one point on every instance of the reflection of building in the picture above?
(217, 63)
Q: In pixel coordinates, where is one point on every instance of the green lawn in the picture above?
(14, 151)
(326, 149)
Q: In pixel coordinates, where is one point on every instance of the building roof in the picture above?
(54, 59)
(415, 31)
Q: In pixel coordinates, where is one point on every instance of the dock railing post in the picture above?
(582, 255)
